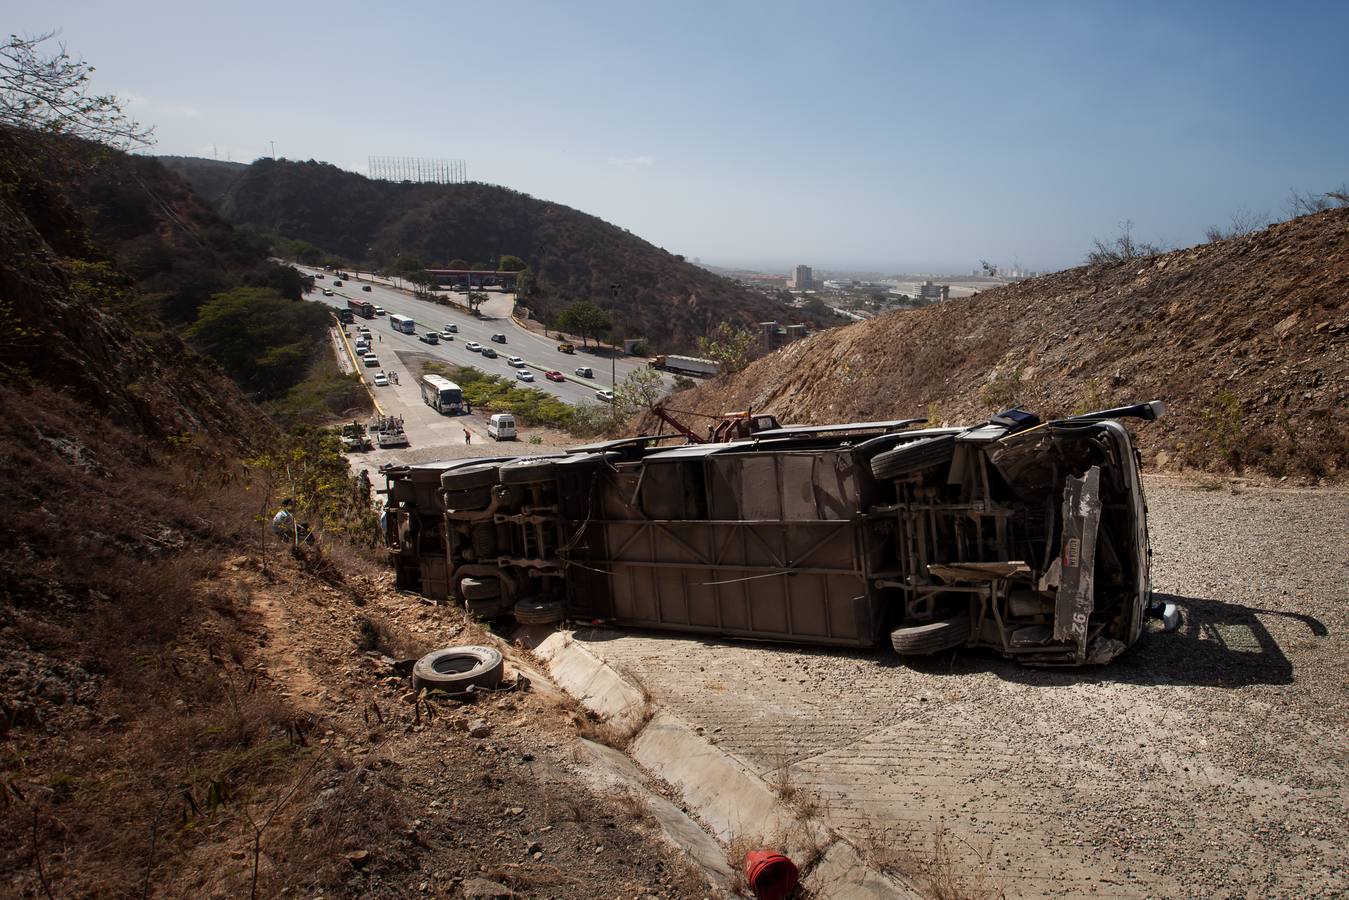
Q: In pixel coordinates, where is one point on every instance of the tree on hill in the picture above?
(583, 318)
(729, 345)
(639, 392)
(262, 340)
(51, 94)
(511, 263)
(458, 264)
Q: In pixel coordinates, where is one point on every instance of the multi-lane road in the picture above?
(539, 353)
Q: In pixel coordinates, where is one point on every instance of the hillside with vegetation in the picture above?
(1246, 340)
(210, 179)
(570, 255)
(190, 705)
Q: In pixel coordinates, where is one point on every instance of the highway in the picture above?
(539, 353)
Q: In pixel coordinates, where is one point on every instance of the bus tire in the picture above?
(908, 459)
(482, 475)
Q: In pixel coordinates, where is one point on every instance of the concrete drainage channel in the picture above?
(741, 809)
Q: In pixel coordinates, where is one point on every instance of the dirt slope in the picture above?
(170, 674)
(1246, 340)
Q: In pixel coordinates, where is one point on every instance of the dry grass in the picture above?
(121, 608)
(939, 868)
(594, 727)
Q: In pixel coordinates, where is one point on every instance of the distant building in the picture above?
(773, 335)
(933, 293)
(801, 279)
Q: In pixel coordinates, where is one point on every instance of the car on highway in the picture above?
(554, 376)
(585, 371)
(379, 310)
(337, 282)
(473, 347)
(451, 327)
(365, 287)
(429, 337)
(327, 293)
(371, 360)
(499, 338)
(524, 375)
(604, 396)
(566, 348)
(489, 353)
(362, 347)
(318, 275)
(381, 380)
(447, 335)
(516, 362)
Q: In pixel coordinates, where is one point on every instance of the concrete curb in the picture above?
(360, 367)
(723, 791)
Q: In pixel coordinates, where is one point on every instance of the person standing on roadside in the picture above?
(468, 438)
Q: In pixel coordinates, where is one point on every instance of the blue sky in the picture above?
(915, 137)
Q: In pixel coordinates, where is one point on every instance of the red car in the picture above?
(554, 376)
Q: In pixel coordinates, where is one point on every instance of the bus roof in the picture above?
(440, 383)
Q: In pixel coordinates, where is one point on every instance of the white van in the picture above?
(501, 427)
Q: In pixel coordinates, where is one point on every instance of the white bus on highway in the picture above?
(444, 396)
(403, 324)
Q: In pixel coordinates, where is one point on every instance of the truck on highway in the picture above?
(354, 438)
(388, 431)
(685, 365)
(363, 308)
(346, 317)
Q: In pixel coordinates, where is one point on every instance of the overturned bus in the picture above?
(1023, 536)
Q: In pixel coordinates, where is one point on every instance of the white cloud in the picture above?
(187, 112)
(632, 162)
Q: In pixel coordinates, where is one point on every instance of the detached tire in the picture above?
(908, 459)
(534, 611)
(481, 475)
(456, 669)
(920, 640)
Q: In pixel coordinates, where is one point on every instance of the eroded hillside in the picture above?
(1246, 340)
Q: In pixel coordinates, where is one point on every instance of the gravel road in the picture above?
(1206, 762)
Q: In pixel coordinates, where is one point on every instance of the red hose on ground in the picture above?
(770, 875)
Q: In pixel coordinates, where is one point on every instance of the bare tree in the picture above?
(1243, 222)
(1123, 248)
(52, 94)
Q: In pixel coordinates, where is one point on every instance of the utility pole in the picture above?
(273, 143)
(614, 290)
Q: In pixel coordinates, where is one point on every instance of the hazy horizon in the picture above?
(861, 136)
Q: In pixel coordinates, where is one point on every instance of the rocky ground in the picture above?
(315, 770)
(1211, 761)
